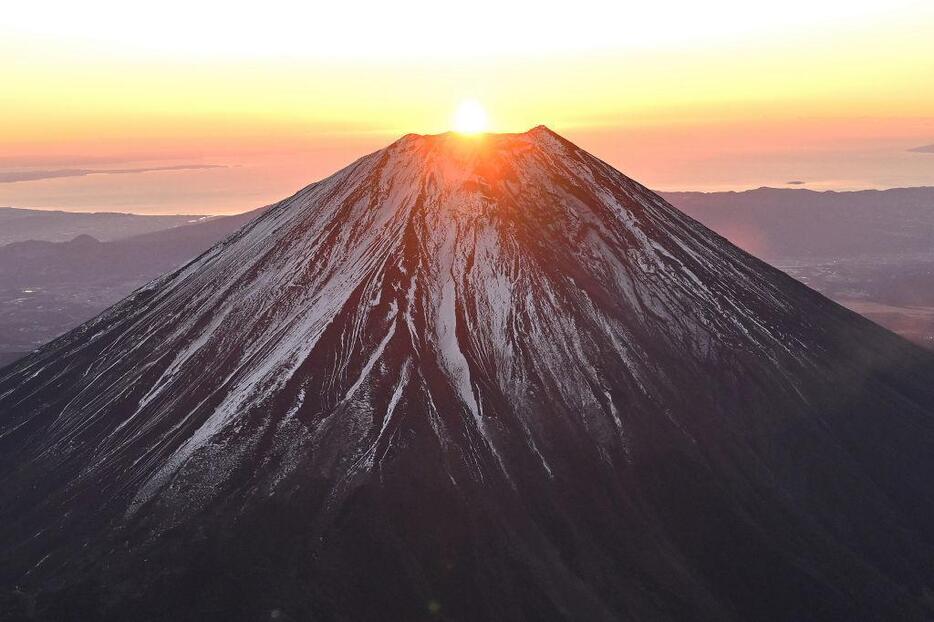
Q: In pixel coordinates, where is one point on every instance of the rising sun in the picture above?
(470, 117)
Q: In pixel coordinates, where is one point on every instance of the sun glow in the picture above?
(470, 118)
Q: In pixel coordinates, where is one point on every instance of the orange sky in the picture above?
(679, 95)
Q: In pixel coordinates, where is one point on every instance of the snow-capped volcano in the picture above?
(480, 378)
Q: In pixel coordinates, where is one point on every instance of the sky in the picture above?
(219, 107)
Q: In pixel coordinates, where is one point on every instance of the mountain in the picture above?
(20, 225)
(785, 224)
(48, 288)
(470, 379)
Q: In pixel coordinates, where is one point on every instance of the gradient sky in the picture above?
(723, 94)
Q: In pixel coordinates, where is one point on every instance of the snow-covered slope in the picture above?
(475, 379)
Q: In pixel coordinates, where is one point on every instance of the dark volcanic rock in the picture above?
(470, 379)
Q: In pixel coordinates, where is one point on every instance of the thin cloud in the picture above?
(12, 177)
(924, 149)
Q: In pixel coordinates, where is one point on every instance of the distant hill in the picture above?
(872, 251)
(47, 288)
(798, 224)
(17, 225)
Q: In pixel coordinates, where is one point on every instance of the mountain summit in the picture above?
(485, 378)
